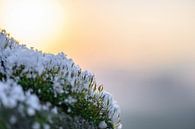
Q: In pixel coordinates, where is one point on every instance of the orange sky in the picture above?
(125, 32)
(128, 32)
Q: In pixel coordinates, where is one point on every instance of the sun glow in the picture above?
(34, 21)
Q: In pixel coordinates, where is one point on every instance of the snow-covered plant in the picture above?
(53, 79)
(21, 109)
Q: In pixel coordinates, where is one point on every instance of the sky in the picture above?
(141, 50)
(122, 32)
(131, 33)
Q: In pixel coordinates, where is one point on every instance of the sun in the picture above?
(32, 21)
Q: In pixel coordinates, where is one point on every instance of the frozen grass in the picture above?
(56, 80)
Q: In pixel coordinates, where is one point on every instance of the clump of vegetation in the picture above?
(56, 83)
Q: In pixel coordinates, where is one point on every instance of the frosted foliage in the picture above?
(11, 95)
(36, 63)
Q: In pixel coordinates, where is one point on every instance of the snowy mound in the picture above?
(39, 90)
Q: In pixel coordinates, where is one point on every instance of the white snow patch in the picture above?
(102, 125)
(13, 119)
(11, 95)
(46, 126)
(36, 125)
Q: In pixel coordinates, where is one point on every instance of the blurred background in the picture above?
(143, 51)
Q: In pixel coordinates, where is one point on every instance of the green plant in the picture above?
(55, 79)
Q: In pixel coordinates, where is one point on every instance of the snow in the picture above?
(57, 87)
(70, 100)
(119, 126)
(36, 125)
(46, 126)
(54, 110)
(102, 125)
(12, 95)
(13, 119)
(33, 101)
(31, 111)
(114, 109)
